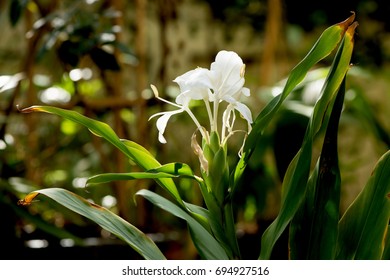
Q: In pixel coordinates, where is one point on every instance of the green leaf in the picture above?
(215, 226)
(132, 150)
(176, 169)
(161, 173)
(314, 229)
(96, 127)
(139, 241)
(208, 247)
(324, 46)
(37, 220)
(135, 148)
(145, 159)
(386, 251)
(170, 170)
(109, 177)
(297, 174)
(363, 227)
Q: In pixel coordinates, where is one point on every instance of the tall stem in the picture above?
(214, 126)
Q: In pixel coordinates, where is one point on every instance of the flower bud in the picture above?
(217, 179)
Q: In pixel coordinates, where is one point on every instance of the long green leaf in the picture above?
(170, 170)
(324, 46)
(295, 180)
(147, 161)
(38, 221)
(208, 247)
(386, 251)
(176, 168)
(109, 177)
(314, 229)
(132, 150)
(214, 224)
(139, 241)
(363, 227)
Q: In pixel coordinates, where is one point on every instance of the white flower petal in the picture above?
(194, 84)
(232, 89)
(223, 82)
(201, 78)
(163, 121)
(245, 91)
(162, 139)
(228, 72)
(183, 98)
(227, 114)
(228, 63)
(244, 111)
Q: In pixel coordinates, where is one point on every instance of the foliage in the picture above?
(310, 196)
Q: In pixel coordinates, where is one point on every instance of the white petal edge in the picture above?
(163, 121)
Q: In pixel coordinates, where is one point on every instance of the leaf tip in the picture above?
(23, 202)
(346, 23)
(28, 199)
(28, 109)
(351, 28)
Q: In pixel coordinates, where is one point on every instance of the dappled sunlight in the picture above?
(54, 95)
(282, 150)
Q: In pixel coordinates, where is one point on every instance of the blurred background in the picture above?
(99, 57)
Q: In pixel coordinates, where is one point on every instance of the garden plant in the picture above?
(311, 187)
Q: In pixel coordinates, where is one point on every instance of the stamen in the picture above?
(155, 91)
(242, 71)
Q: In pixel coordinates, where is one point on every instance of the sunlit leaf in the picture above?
(214, 225)
(38, 221)
(147, 161)
(133, 151)
(314, 229)
(109, 177)
(175, 168)
(295, 180)
(324, 46)
(207, 245)
(386, 251)
(139, 241)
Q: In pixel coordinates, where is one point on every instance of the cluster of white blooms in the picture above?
(224, 81)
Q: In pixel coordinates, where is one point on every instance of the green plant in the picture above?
(310, 196)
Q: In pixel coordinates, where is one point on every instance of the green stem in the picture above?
(230, 228)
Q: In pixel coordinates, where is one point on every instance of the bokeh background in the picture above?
(99, 57)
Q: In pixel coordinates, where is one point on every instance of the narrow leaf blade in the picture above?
(109, 177)
(295, 180)
(328, 41)
(139, 241)
(207, 245)
(314, 228)
(132, 150)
